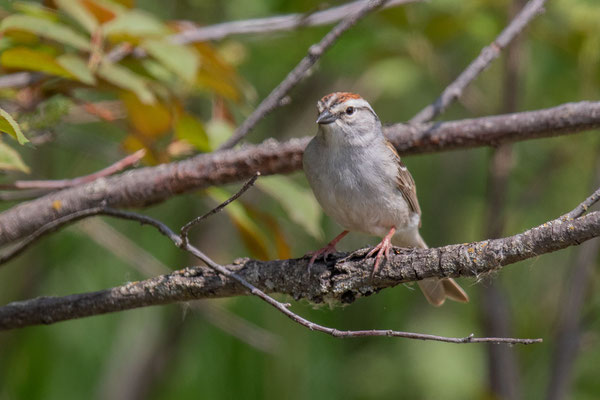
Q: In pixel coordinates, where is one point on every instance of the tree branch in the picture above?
(145, 186)
(275, 24)
(315, 52)
(487, 55)
(344, 280)
(56, 184)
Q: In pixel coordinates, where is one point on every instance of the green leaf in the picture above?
(77, 67)
(180, 59)
(192, 131)
(10, 126)
(48, 29)
(254, 238)
(35, 9)
(298, 202)
(11, 160)
(136, 24)
(218, 132)
(126, 79)
(79, 13)
(33, 60)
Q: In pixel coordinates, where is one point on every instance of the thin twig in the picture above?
(185, 229)
(487, 55)
(275, 24)
(45, 230)
(120, 165)
(315, 52)
(584, 206)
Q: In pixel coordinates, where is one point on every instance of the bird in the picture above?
(360, 181)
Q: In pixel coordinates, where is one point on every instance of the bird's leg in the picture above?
(383, 248)
(327, 250)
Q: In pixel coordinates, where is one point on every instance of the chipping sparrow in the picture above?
(359, 180)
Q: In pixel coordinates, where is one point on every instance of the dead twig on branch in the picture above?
(145, 186)
(487, 55)
(56, 184)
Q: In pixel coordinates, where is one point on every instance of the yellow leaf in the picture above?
(10, 126)
(151, 120)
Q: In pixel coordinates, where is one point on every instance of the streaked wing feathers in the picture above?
(406, 184)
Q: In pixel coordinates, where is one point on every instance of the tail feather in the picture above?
(437, 290)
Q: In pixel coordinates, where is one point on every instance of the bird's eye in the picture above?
(350, 110)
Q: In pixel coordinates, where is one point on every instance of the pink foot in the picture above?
(325, 251)
(382, 249)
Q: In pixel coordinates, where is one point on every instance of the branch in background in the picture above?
(503, 368)
(487, 55)
(343, 281)
(118, 166)
(568, 331)
(20, 79)
(315, 52)
(145, 186)
(276, 24)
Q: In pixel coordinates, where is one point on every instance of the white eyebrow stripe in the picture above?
(356, 103)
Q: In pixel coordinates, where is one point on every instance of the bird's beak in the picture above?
(326, 118)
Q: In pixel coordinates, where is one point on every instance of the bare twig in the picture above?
(275, 24)
(583, 207)
(315, 52)
(44, 230)
(120, 165)
(185, 229)
(487, 55)
(144, 186)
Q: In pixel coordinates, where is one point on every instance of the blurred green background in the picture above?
(399, 60)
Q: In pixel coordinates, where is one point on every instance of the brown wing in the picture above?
(406, 184)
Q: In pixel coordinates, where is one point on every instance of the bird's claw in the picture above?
(324, 252)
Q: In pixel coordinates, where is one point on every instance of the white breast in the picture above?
(359, 193)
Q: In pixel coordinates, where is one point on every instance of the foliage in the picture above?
(180, 100)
